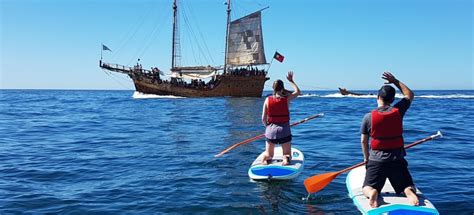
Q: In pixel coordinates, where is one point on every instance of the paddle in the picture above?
(316, 183)
(263, 135)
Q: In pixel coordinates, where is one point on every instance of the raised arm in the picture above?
(296, 89)
(401, 86)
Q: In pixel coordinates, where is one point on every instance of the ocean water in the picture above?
(113, 152)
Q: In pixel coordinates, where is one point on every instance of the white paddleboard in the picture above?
(275, 170)
(390, 203)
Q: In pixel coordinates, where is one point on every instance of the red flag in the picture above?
(279, 57)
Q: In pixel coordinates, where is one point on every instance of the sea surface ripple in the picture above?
(109, 152)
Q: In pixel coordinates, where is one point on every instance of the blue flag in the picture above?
(105, 48)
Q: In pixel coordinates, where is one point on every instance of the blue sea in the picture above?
(121, 152)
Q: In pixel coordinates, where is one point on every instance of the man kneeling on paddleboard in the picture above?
(276, 118)
(386, 157)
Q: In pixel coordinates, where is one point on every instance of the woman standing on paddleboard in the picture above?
(276, 118)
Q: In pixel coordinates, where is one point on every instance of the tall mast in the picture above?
(173, 49)
(227, 35)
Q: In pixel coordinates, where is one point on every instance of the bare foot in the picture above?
(412, 197)
(373, 198)
(266, 160)
(286, 161)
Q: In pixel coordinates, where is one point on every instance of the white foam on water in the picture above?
(452, 96)
(338, 95)
(309, 95)
(139, 95)
(399, 95)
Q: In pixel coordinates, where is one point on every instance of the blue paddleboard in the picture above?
(389, 202)
(275, 170)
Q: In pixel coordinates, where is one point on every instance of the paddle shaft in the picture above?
(424, 140)
(406, 147)
(316, 183)
(263, 135)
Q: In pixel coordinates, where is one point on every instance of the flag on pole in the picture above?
(105, 48)
(278, 57)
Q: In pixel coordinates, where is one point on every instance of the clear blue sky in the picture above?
(55, 44)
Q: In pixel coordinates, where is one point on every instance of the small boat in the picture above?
(390, 202)
(346, 92)
(274, 170)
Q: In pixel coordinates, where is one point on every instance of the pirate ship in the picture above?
(242, 75)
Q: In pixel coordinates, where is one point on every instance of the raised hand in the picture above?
(389, 77)
(289, 76)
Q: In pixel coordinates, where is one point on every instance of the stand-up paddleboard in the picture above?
(275, 170)
(389, 202)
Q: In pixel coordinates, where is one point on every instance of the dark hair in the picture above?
(278, 86)
(387, 93)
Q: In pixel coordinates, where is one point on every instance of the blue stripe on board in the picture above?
(409, 212)
(403, 209)
(272, 171)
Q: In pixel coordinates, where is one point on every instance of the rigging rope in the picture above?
(185, 9)
(153, 35)
(191, 43)
(125, 42)
(116, 80)
(201, 36)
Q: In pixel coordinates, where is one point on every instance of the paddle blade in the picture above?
(318, 182)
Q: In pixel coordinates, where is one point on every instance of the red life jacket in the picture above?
(387, 129)
(278, 110)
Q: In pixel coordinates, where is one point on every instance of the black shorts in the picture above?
(280, 140)
(396, 172)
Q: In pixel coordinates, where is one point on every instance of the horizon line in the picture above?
(97, 89)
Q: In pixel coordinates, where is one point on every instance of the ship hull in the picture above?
(226, 85)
